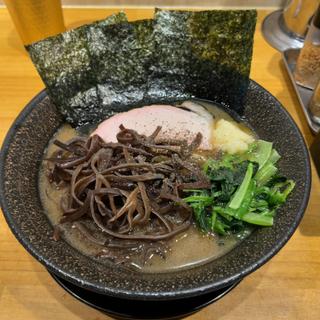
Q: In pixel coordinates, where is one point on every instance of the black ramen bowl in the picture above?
(20, 160)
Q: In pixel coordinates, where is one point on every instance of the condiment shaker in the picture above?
(314, 105)
(307, 71)
(296, 16)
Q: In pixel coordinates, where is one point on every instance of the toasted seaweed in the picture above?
(121, 55)
(113, 19)
(121, 52)
(111, 65)
(209, 51)
(64, 63)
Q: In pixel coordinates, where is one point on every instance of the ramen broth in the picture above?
(184, 250)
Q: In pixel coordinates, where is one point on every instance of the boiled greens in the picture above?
(245, 190)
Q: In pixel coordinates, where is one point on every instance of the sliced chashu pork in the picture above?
(176, 123)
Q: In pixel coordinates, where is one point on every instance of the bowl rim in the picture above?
(163, 295)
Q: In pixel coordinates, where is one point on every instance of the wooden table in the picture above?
(287, 287)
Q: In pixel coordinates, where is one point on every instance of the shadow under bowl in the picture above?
(20, 161)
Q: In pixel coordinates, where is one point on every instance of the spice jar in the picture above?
(307, 71)
(297, 14)
(314, 105)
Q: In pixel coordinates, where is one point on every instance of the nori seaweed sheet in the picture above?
(120, 52)
(111, 65)
(208, 51)
(120, 55)
(64, 64)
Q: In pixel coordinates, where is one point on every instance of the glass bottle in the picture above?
(314, 105)
(307, 71)
(36, 19)
(297, 14)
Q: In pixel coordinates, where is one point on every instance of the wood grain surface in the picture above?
(287, 287)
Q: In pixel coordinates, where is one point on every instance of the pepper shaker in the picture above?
(314, 105)
(287, 28)
(296, 16)
(307, 71)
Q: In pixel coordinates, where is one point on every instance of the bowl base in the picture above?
(124, 309)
